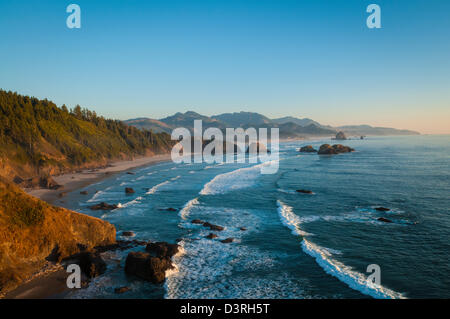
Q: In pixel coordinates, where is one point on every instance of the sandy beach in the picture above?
(73, 181)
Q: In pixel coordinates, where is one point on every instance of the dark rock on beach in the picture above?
(308, 149)
(129, 190)
(385, 220)
(90, 263)
(103, 206)
(327, 149)
(83, 192)
(304, 191)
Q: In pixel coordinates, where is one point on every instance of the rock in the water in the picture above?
(162, 249)
(91, 263)
(304, 191)
(129, 190)
(327, 149)
(382, 209)
(130, 173)
(83, 192)
(128, 233)
(382, 219)
(170, 209)
(103, 206)
(340, 136)
(211, 236)
(308, 149)
(147, 267)
(213, 227)
(197, 221)
(121, 290)
(227, 241)
(243, 228)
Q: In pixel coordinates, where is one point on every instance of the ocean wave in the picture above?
(323, 257)
(346, 274)
(157, 187)
(237, 179)
(184, 212)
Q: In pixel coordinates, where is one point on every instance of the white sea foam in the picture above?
(324, 258)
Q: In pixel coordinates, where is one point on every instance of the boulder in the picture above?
(197, 221)
(121, 290)
(83, 192)
(304, 191)
(162, 249)
(211, 236)
(147, 267)
(129, 190)
(103, 206)
(213, 227)
(340, 136)
(227, 241)
(308, 149)
(49, 183)
(382, 209)
(243, 228)
(385, 220)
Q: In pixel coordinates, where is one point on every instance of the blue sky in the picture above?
(312, 59)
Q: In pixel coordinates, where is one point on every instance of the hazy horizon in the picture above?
(277, 58)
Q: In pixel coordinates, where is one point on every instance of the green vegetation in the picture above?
(37, 136)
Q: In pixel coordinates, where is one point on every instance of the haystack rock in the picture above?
(147, 267)
(340, 136)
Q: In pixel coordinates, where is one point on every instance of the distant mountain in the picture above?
(242, 119)
(370, 130)
(295, 120)
(149, 124)
(290, 127)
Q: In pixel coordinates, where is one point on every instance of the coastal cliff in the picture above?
(33, 233)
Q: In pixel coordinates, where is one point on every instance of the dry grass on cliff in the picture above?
(33, 232)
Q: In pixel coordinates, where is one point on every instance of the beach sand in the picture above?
(74, 181)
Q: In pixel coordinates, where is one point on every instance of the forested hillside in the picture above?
(38, 138)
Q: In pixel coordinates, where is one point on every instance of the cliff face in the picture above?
(33, 232)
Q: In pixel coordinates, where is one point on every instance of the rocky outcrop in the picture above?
(213, 227)
(304, 191)
(103, 206)
(308, 149)
(90, 263)
(385, 220)
(162, 249)
(33, 233)
(153, 264)
(327, 149)
(340, 136)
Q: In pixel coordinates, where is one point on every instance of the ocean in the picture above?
(295, 245)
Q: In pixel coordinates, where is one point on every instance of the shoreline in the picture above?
(74, 181)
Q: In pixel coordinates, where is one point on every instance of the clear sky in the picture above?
(313, 58)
